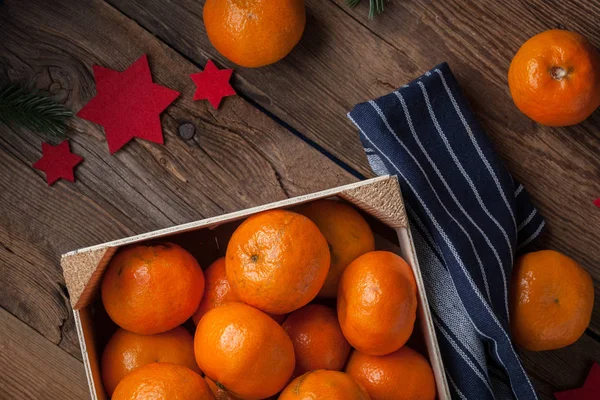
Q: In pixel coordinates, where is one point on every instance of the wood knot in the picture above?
(186, 130)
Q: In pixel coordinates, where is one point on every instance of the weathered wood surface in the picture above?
(344, 59)
(239, 157)
(34, 368)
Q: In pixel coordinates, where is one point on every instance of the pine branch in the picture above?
(375, 6)
(32, 110)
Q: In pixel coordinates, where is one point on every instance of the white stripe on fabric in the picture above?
(475, 252)
(533, 235)
(527, 220)
(469, 181)
(463, 268)
(476, 145)
(519, 190)
(462, 396)
(463, 172)
(445, 300)
(462, 354)
(446, 239)
(377, 165)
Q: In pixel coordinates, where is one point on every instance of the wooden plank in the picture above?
(560, 167)
(33, 368)
(121, 205)
(312, 80)
(563, 369)
(237, 159)
(344, 58)
(550, 371)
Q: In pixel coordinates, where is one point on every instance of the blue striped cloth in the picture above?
(468, 218)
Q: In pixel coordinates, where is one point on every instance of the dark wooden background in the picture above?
(241, 156)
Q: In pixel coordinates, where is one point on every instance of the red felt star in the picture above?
(128, 104)
(212, 84)
(589, 391)
(57, 162)
(597, 203)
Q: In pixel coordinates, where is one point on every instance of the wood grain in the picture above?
(240, 158)
(345, 58)
(560, 167)
(237, 159)
(563, 369)
(550, 371)
(33, 368)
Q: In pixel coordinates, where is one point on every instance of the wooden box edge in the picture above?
(380, 197)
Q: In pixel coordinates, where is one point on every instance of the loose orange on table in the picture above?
(402, 375)
(254, 33)
(318, 340)
(163, 381)
(377, 302)
(127, 351)
(323, 384)
(551, 300)
(153, 288)
(347, 233)
(277, 261)
(244, 350)
(554, 78)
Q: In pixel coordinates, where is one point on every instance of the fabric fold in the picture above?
(468, 218)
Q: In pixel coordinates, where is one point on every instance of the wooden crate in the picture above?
(379, 198)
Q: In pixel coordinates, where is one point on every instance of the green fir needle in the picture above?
(32, 110)
(375, 6)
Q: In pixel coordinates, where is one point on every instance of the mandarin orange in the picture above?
(377, 302)
(318, 340)
(256, 32)
(401, 375)
(218, 390)
(217, 290)
(163, 381)
(277, 261)
(150, 289)
(245, 350)
(127, 351)
(324, 385)
(554, 78)
(347, 233)
(551, 300)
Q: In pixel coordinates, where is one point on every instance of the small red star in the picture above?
(213, 84)
(597, 203)
(128, 104)
(57, 162)
(589, 391)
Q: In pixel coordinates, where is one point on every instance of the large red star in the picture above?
(57, 162)
(212, 84)
(597, 202)
(589, 391)
(128, 104)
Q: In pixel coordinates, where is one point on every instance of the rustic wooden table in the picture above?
(285, 135)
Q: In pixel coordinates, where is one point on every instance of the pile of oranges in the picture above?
(264, 324)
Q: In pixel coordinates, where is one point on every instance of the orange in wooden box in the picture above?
(379, 199)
